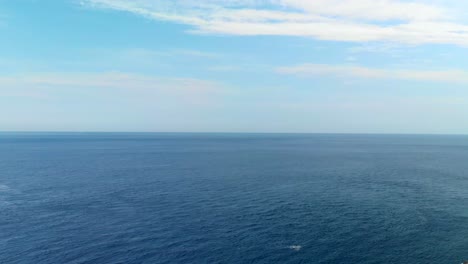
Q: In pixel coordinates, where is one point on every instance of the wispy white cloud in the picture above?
(350, 71)
(387, 48)
(47, 84)
(170, 52)
(196, 53)
(226, 68)
(409, 22)
(113, 101)
(105, 80)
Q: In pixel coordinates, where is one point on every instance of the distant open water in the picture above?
(233, 198)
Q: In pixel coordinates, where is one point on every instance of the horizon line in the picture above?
(227, 132)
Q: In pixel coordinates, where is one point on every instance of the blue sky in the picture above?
(348, 66)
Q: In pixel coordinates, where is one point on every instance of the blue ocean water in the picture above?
(233, 198)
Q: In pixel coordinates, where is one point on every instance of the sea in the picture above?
(233, 198)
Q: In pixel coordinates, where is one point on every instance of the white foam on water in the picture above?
(295, 247)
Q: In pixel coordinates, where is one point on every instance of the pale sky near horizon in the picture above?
(338, 66)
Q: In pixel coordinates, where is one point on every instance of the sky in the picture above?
(299, 66)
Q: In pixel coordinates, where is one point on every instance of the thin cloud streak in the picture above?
(175, 90)
(350, 71)
(107, 80)
(408, 22)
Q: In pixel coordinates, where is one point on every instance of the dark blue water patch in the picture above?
(232, 198)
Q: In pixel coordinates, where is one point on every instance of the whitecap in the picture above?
(295, 247)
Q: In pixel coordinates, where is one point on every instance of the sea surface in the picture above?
(233, 198)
